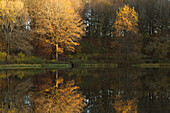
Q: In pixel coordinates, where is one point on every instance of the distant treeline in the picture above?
(86, 30)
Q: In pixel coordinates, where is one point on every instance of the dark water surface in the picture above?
(112, 90)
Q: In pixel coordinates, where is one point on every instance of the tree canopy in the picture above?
(13, 18)
(126, 20)
(57, 22)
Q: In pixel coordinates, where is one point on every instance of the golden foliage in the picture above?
(126, 20)
(13, 21)
(12, 13)
(57, 22)
(64, 99)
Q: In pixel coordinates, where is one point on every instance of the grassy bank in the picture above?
(152, 65)
(28, 66)
(81, 65)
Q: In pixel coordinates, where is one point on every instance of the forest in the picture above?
(84, 56)
(84, 31)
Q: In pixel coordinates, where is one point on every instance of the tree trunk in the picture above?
(56, 75)
(8, 42)
(56, 52)
(7, 55)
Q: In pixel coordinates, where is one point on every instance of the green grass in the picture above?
(57, 65)
(28, 66)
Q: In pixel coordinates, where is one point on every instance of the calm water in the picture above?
(113, 90)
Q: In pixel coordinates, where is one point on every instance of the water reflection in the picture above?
(14, 97)
(125, 106)
(116, 90)
(126, 90)
(61, 98)
(40, 93)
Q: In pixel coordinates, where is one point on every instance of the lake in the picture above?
(99, 90)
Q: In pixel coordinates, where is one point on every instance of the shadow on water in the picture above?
(112, 90)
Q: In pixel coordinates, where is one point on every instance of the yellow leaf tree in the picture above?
(57, 22)
(13, 16)
(126, 21)
(127, 42)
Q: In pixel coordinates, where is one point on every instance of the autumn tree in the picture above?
(63, 99)
(57, 23)
(126, 21)
(13, 17)
(127, 41)
(1, 41)
(78, 6)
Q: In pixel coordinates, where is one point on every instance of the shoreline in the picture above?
(35, 66)
(82, 65)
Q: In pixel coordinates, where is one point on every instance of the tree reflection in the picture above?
(125, 106)
(61, 98)
(39, 94)
(105, 91)
(14, 97)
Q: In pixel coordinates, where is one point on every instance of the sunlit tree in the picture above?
(57, 22)
(127, 42)
(126, 21)
(13, 17)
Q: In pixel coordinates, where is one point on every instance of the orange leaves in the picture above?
(59, 21)
(126, 20)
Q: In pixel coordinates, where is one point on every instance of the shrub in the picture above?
(33, 60)
(2, 57)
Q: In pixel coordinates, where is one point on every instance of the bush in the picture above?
(52, 61)
(2, 57)
(82, 57)
(22, 59)
(1, 61)
(19, 58)
(33, 60)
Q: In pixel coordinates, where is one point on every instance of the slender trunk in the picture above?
(7, 55)
(8, 42)
(56, 75)
(36, 46)
(56, 52)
